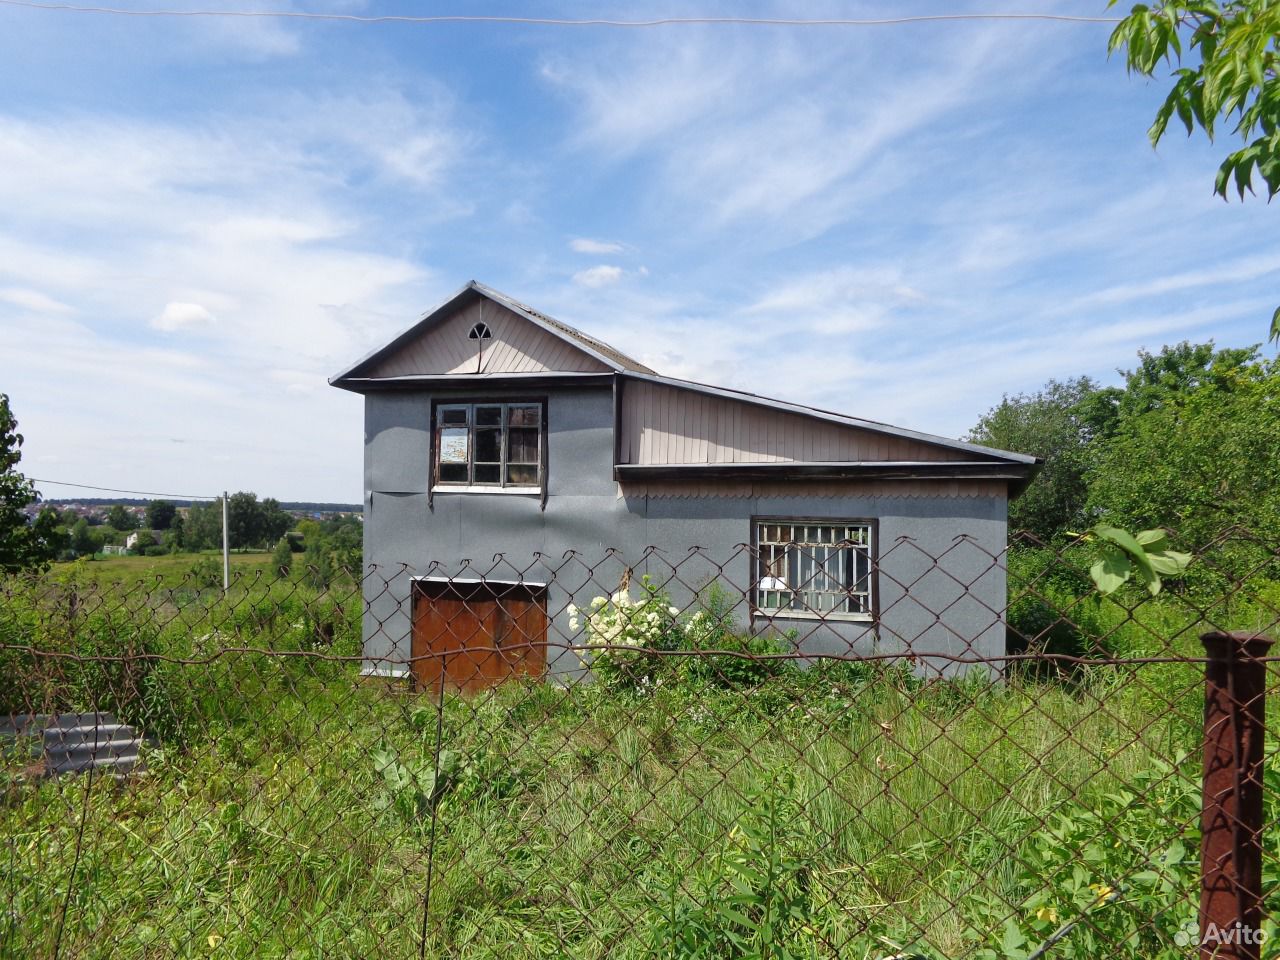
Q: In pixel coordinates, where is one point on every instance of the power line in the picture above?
(141, 493)
(558, 22)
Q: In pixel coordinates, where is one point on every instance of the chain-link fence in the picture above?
(805, 749)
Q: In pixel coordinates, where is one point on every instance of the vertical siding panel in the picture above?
(724, 416)
(664, 427)
(692, 411)
(646, 437)
(679, 426)
(628, 426)
(700, 431)
(675, 416)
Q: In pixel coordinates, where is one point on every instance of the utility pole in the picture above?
(226, 553)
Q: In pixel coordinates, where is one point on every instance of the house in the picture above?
(514, 465)
(157, 536)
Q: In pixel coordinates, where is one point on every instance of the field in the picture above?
(169, 568)
(714, 807)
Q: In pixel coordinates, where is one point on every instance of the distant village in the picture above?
(93, 526)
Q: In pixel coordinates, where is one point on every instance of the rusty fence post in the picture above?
(1231, 814)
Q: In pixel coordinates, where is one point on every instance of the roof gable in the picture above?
(480, 331)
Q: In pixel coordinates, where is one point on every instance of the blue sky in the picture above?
(204, 218)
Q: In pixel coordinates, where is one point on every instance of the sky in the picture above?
(202, 219)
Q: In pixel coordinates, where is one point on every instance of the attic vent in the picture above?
(480, 332)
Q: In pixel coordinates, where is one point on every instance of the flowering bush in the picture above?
(650, 623)
(620, 621)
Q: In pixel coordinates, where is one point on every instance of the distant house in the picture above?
(493, 429)
(131, 540)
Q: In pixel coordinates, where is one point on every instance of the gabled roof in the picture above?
(605, 354)
(599, 363)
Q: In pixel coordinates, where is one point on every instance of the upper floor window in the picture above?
(489, 444)
(814, 568)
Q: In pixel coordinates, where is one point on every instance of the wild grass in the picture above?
(570, 821)
(291, 809)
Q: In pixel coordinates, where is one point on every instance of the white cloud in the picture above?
(602, 275)
(840, 300)
(597, 247)
(180, 316)
(33, 300)
(795, 130)
(148, 228)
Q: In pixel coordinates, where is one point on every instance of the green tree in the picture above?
(203, 529)
(1175, 372)
(282, 556)
(1059, 423)
(82, 542)
(177, 538)
(1235, 77)
(160, 514)
(23, 544)
(1202, 460)
(120, 518)
(245, 520)
(319, 564)
(275, 521)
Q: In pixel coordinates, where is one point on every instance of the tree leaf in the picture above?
(1112, 571)
(1152, 540)
(1129, 544)
(1169, 563)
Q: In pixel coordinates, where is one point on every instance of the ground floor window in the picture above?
(814, 568)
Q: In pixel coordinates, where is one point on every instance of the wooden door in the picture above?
(477, 634)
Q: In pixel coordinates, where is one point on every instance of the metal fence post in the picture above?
(1231, 815)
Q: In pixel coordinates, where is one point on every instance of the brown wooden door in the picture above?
(478, 634)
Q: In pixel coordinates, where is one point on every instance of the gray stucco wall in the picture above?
(949, 605)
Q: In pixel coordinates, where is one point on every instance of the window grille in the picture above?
(815, 568)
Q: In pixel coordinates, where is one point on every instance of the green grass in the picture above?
(572, 820)
(848, 811)
(167, 568)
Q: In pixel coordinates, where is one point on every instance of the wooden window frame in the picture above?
(437, 485)
(871, 612)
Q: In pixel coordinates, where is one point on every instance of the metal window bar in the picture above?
(814, 568)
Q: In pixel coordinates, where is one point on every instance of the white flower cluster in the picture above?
(621, 621)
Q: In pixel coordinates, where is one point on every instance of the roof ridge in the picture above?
(612, 354)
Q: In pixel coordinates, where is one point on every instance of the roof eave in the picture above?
(834, 470)
(467, 381)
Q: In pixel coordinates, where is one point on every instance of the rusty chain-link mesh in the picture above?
(619, 756)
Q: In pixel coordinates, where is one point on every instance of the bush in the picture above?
(282, 556)
(206, 572)
(1053, 606)
(653, 626)
(619, 621)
